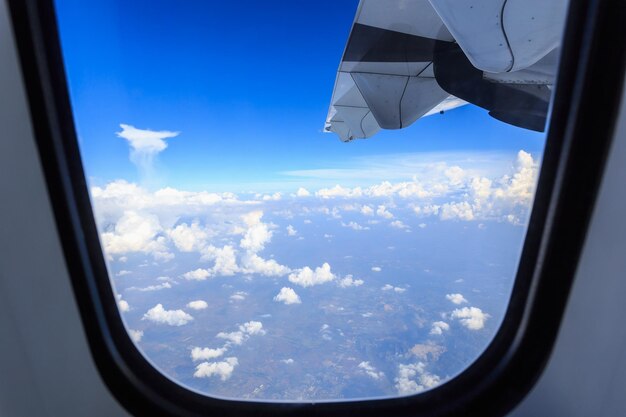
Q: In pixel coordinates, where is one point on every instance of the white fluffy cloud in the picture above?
(456, 298)
(349, 281)
(225, 260)
(223, 369)
(135, 335)
(291, 231)
(145, 145)
(119, 196)
(371, 371)
(507, 198)
(439, 327)
(307, 277)
(158, 314)
(398, 224)
(367, 210)
(225, 264)
(245, 331)
(189, 238)
(254, 264)
(257, 234)
(288, 296)
(339, 191)
(355, 226)
(164, 286)
(252, 328)
(271, 197)
(122, 304)
(135, 232)
(388, 287)
(383, 212)
(239, 296)
(197, 274)
(413, 378)
(197, 305)
(203, 354)
(462, 211)
(302, 192)
(376, 269)
(234, 337)
(471, 317)
(144, 140)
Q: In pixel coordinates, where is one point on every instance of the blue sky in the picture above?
(246, 85)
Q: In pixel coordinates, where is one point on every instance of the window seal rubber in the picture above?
(582, 122)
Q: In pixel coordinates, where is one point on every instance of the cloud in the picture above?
(413, 378)
(165, 285)
(339, 191)
(371, 371)
(245, 331)
(257, 235)
(367, 210)
(225, 264)
(461, 211)
(398, 225)
(287, 361)
(507, 198)
(144, 140)
(291, 231)
(302, 192)
(158, 314)
(252, 328)
(254, 264)
(135, 232)
(376, 268)
(122, 273)
(135, 335)
(354, 226)
(439, 327)
(197, 274)
(272, 197)
(222, 369)
(145, 145)
(455, 174)
(288, 296)
(456, 298)
(383, 212)
(198, 305)
(233, 337)
(471, 317)
(119, 196)
(203, 354)
(225, 259)
(349, 281)
(307, 277)
(239, 296)
(122, 304)
(388, 287)
(189, 238)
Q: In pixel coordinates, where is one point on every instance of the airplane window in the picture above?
(309, 201)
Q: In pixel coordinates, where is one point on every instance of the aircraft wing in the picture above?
(406, 59)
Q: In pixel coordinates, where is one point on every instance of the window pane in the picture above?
(297, 204)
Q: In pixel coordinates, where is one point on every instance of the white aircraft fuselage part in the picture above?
(406, 59)
(503, 35)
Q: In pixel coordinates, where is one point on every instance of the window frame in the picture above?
(585, 105)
